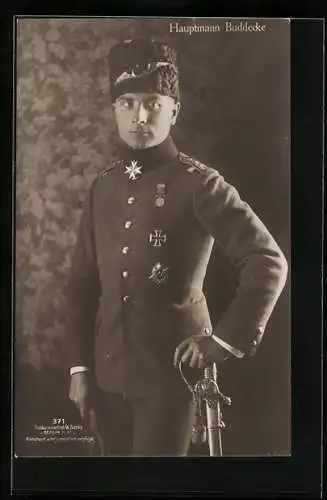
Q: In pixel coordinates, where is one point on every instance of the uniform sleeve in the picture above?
(253, 251)
(83, 292)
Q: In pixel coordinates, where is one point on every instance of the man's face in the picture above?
(144, 119)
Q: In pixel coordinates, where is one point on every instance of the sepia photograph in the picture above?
(152, 237)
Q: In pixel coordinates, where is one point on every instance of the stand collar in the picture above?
(150, 157)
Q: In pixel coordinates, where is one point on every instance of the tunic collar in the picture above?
(151, 157)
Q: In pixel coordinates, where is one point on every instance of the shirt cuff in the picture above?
(78, 369)
(236, 352)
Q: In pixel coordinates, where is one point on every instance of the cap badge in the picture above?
(159, 273)
(134, 170)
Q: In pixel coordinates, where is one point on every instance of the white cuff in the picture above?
(78, 369)
(236, 352)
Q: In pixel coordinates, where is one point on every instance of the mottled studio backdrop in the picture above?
(235, 117)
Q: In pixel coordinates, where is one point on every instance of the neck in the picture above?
(162, 153)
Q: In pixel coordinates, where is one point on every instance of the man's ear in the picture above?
(176, 109)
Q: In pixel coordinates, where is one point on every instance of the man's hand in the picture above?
(200, 351)
(79, 392)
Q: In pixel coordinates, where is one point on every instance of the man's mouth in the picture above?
(140, 132)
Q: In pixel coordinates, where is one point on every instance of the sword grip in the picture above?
(214, 425)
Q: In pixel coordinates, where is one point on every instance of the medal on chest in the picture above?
(157, 238)
(133, 170)
(159, 273)
(160, 195)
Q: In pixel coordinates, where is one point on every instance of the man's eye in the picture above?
(154, 105)
(125, 104)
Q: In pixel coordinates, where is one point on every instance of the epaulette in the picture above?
(106, 171)
(194, 165)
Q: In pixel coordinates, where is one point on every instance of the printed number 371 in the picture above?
(58, 421)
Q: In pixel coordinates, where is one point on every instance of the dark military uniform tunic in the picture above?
(136, 284)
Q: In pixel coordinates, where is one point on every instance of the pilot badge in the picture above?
(159, 273)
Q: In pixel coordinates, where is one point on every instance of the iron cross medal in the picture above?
(157, 238)
(134, 170)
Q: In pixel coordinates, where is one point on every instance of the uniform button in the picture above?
(126, 298)
(125, 250)
(131, 200)
(128, 224)
(125, 274)
(107, 355)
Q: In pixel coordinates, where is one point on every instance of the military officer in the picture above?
(136, 306)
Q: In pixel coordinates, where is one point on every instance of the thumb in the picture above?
(82, 409)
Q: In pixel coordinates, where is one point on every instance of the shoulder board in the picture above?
(194, 165)
(106, 171)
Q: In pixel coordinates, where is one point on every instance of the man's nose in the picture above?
(141, 114)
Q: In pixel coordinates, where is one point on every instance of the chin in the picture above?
(141, 146)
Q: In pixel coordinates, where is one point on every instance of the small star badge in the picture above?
(134, 170)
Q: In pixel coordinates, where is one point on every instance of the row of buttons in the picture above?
(125, 249)
(128, 225)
